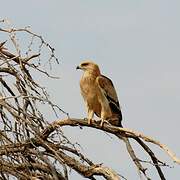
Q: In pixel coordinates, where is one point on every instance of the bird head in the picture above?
(89, 66)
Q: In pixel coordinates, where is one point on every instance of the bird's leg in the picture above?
(102, 117)
(90, 115)
(102, 122)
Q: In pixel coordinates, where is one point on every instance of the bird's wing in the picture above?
(109, 91)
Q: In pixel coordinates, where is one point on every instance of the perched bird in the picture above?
(99, 95)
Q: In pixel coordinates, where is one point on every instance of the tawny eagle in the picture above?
(99, 95)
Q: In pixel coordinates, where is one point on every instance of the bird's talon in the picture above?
(102, 123)
(88, 120)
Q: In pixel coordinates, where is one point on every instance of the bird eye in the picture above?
(84, 64)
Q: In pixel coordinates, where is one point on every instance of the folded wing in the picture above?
(109, 91)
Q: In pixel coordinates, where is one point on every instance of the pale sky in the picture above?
(137, 45)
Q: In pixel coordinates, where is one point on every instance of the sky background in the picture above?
(137, 45)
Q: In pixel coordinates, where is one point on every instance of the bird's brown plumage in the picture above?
(99, 94)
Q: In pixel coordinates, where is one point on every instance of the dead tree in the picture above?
(30, 146)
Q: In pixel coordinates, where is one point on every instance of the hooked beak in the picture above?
(78, 68)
